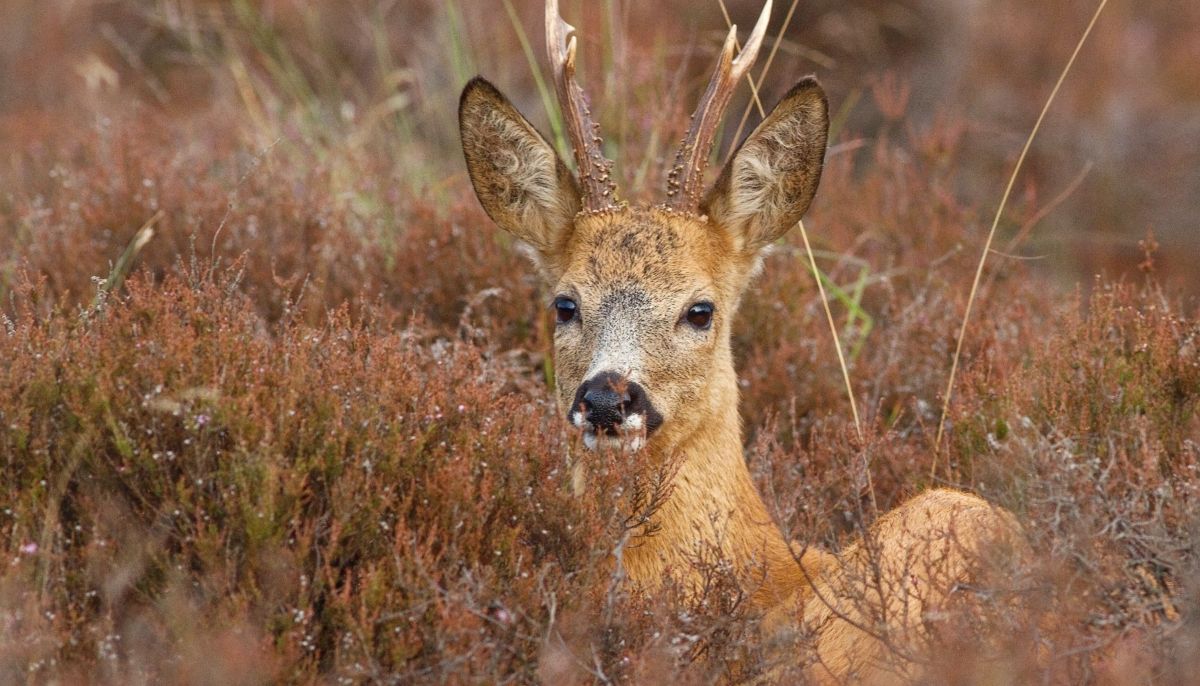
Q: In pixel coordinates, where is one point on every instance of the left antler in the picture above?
(595, 172)
(686, 179)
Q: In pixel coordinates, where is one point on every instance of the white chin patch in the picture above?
(629, 437)
(627, 444)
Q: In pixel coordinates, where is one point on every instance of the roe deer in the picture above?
(645, 299)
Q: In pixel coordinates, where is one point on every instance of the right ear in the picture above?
(520, 181)
(770, 182)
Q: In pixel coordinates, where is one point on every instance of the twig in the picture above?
(233, 196)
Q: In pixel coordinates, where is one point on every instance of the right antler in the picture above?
(595, 171)
(685, 181)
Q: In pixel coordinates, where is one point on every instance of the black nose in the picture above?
(607, 399)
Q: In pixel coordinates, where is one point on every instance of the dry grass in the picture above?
(304, 433)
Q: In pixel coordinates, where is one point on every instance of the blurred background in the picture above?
(376, 82)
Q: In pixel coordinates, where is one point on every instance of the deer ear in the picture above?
(522, 184)
(768, 185)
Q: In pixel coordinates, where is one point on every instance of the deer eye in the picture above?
(700, 315)
(565, 309)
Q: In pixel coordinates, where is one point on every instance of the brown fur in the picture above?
(634, 271)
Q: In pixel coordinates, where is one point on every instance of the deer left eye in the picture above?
(700, 315)
(565, 309)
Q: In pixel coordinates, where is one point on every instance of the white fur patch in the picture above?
(626, 444)
(630, 438)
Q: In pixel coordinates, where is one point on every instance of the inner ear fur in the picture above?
(771, 180)
(520, 181)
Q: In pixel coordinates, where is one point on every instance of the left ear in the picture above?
(770, 182)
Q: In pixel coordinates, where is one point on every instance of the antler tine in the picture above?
(685, 181)
(595, 172)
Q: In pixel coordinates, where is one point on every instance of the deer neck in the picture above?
(713, 510)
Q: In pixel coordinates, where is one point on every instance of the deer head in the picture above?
(644, 296)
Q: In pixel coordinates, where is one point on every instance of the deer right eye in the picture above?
(565, 309)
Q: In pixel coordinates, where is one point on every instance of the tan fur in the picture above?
(634, 271)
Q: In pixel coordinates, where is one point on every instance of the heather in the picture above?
(275, 395)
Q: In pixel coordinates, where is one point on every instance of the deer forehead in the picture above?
(664, 254)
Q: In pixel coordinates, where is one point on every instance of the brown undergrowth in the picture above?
(304, 434)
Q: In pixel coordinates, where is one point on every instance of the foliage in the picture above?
(302, 433)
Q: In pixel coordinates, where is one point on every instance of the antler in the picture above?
(686, 178)
(595, 172)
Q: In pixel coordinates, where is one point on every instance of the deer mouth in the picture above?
(600, 441)
(629, 435)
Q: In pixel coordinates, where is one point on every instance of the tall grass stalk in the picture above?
(762, 75)
(808, 250)
(548, 100)
(962, 332)
(837, 343)
(462, 59)
(738, 44)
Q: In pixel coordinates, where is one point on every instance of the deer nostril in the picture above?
(603, 407)
(631, 402)
(608, 401)
(605, 400)
(624, 402)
